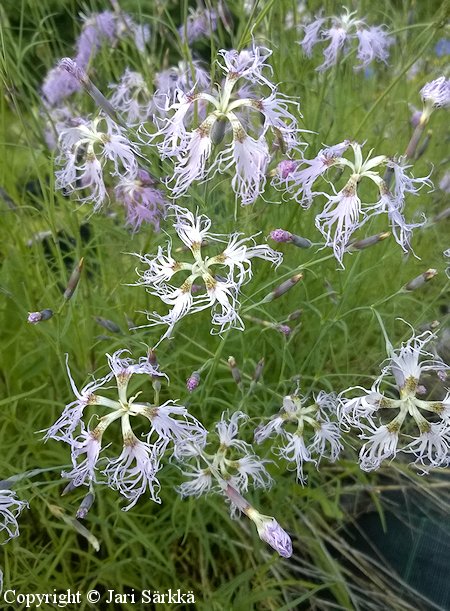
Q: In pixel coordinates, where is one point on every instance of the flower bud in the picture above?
(85, 505)
(258, 370)
(193, 381)
(419, 281)
(281, 235)
(35, 317)
(218, 131)
(73, 280)
(282, 288)
(271, 532)
(234, 370)
(284, 329)
(107, 324)
(369, 241)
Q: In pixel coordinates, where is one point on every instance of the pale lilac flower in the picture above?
(131, 97)
(312, 34)
(385, 436)
(373, 41)
(344, 212)
(191, 144)
(271, 532)
(142, 200)
(171, 423)
(183, 77)
(58, 85)
(299, 182)
(199, 481)
(199, 23)
(436, 94)
(86, 150)
(88, 443)
(97, 28)
(233, 462)
(220, 292)
(133, 472)
(10, 509)
(312, 435)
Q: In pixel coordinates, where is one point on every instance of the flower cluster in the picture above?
(344, 211)
(234, 462)
(371, 411)
(86, 149)
(373, 41)
(191, 144)
(314, 434)
(219, 292)
(134, 471)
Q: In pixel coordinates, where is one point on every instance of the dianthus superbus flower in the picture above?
(10, 509)
(86, 150)
(221, 292)
(345, 212)
(373, 41)
(419, 427)
(313, 434)
(191, 144)
(233, 462)
(133, 472)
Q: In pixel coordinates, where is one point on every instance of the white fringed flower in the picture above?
(191, 144)
(134, 471)
(220, 291)
(86, 151)
(10, 509)
(312, 435)
(419, 427)
(345, 212)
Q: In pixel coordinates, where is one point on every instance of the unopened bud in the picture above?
(284, 329)
(285, 168)
(69, 488)
(281, 235)
(107, 324)
(218, 131)
(193, 381)
(81, 76)
(35, 317)
(282, 288)
(295, 315)
(258, 370)
(369, 241)
(151, 357)
(85, 505)
(419, 281)
(234, 370)
(73, 280)
(271, 532)
(332, 294)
